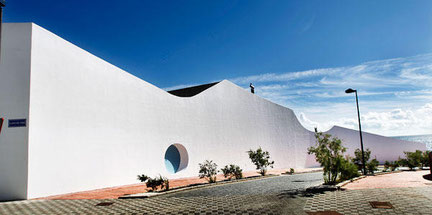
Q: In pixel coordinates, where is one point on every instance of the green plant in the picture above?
(291, 171)
(386, 166)
(425, 159)
(358, 160)
(348, 170)
(154, 183)
(329, 153)
(372, 166)
(232, 171)
(142, 178)
(208, 170)
(261, 159)
(412, 159)
(394, 165)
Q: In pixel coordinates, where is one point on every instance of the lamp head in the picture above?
(349, 90)
(2, 3)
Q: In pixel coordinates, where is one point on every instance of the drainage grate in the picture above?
(105, 203)
(324, 213)
(298, 181)
(383, 205)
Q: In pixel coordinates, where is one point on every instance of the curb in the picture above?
(343, 183)
(188, 187)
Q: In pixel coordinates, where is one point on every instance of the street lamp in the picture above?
(2, 4)
(361, 138)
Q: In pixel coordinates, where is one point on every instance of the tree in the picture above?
(412, 159)
(425, 159)
(232, 171)
(357, 160)
(349, 170)
(372, 166)
(261, 159)
(208, 170)
(329, 153)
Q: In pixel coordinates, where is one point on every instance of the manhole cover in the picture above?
(324, 213)
(384, 205)
(105, 203)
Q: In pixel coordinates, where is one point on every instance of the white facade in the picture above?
(92, 125)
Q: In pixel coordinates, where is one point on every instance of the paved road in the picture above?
(266, 186)
(262, 196)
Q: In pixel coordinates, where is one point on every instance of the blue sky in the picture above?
(301, 54)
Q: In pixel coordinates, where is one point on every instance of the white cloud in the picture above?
(394, 94)
(396, 122)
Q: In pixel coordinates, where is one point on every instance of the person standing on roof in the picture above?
(252, 88)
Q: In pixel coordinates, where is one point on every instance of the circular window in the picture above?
(176, 158)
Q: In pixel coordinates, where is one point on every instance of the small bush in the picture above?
(208, 170)
(425, 159)
(261, 159)
(390, 166)
(386, 166)
(291, 171)
(349, 170)
(154, 183)
(357, 160)
(372, 166)
(142, 178)
(412, 159)
(232, 171)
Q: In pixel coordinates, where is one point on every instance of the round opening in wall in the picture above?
(176, 158)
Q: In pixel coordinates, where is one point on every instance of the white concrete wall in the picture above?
(14, 104)
(93, 125)
(383, 148)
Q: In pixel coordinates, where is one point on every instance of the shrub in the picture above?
(349, 170)
(425, 159)
(357, 160)
(160, 181)
(394, 165)
(261, 159)
(391, 166)
(386, 166)
(142, 178)
(372, 166)
(232, 171)
(208, 170)
(329, 153)
(412, 159)
(291, 171)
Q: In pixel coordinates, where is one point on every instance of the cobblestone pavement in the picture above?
(413, 200)
(272, 195)
(275, 195)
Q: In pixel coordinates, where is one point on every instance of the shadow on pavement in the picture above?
(428, 177)
(309, 192)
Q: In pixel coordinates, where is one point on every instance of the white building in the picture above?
(74, 122)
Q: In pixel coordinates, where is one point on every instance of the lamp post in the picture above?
(361, 138)
(2, 4)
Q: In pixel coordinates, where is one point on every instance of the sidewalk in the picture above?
(392, 180)
(116, 192)
(408, 192)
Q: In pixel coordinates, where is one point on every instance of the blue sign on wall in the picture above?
(17, 123)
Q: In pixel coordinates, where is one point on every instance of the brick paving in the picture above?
(409, 200)
(274, 195)
(392, 180)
